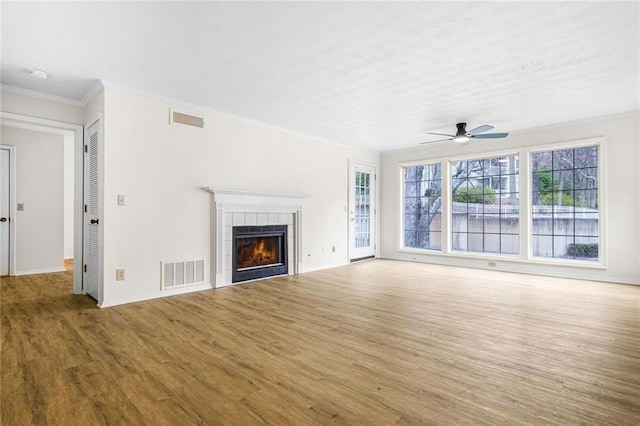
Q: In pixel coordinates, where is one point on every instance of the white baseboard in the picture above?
(39, 271)
(156, 295)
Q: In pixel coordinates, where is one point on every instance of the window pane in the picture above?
(542, 225)
(510, 244)
(491, 243)
(491, 223)
(459, 241)
(586, 178)
(542, 246)
(509, 225)
(561, 244)
(541, 161)
(475, 242)
(586, 157)
(563, 159)
(435, 240)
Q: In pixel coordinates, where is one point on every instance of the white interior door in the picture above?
(362, 210)
(92, 245)
(5, 190)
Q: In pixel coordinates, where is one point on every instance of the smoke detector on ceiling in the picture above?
(33, 72)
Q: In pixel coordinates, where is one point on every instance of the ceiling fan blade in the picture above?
(442, 134)
(479, 129)
(439, 140)
(491, 136)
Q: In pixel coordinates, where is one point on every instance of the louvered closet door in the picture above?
(92, 275)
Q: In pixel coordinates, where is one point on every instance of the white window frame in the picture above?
(482, 156)
(601, 263)
(525, 217)
(443, 219)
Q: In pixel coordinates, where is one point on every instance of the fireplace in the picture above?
(231, 208)
(259, 252)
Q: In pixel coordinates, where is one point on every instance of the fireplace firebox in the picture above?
(259, 252)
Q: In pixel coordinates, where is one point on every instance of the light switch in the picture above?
(121, 200)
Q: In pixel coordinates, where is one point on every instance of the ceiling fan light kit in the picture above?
(463, 136)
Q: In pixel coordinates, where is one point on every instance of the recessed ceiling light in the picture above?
(38, 73)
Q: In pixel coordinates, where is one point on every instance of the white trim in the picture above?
(12, 208)
(155, 295)
(39, 271)
(97, 88)
(78, 195)
(42, 95)
(600, 142)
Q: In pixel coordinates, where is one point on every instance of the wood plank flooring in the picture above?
(378, 342)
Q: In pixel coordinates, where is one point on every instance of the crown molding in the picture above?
(97, 88)
(41, 95)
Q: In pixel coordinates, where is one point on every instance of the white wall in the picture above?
(40, 186)
(160, 169)
(69, 170)
(621, 190)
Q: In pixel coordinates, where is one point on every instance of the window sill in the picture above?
(507, 258)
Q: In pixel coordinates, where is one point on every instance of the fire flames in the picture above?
(257, 254)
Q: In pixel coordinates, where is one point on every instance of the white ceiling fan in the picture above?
(462, 136)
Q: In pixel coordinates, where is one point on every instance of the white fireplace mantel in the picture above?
(232, 207)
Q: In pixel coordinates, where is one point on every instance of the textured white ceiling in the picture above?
(376, 75)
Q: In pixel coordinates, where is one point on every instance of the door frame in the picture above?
(78, 149)
(12, 207)
(375, 208)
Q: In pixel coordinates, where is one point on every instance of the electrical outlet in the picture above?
(20, 207)
(120, 274)
(121, 200)
(492, 264)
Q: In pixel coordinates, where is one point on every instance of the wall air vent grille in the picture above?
(187, 120)
(182, 273)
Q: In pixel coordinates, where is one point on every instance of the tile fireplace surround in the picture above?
(231, 208)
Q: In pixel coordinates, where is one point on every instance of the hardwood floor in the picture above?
(377, 342)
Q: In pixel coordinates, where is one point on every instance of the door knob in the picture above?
(3, 219)
(94, 221)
